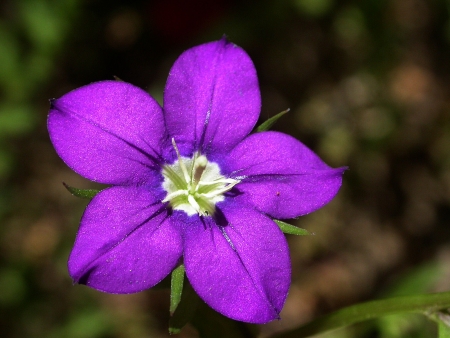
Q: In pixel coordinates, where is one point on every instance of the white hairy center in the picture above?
(195, 185)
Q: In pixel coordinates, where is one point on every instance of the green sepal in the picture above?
(185, 310)
(266, 125)
(291, 229)
(176, 287)
(82, 193)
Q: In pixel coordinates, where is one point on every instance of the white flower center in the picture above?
(194, 185)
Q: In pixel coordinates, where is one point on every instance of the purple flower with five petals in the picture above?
(189, 184)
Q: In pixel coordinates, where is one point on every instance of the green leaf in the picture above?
(270, 122)
(428, 305)
(82, 193)
(185, 310)
(291, 229)
(176, 287)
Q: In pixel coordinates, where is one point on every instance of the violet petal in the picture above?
(280, 176)
(242, 269)
(109, 132)
(211, 99)
(125, 243)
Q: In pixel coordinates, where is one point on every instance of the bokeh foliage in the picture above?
(367, 83)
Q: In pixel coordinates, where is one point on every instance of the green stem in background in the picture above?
(429, 305)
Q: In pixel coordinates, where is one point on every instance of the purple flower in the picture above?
(188, 184)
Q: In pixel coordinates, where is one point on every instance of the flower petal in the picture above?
(242, 269)
(280, 176)
(109, 131)
(211, 99)
(125, 243)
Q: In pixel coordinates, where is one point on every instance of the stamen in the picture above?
(174, 194)
(194, 203)
(193, 166)
(199, 168)
(172, 176)
(224, 180)
(218, 192)
(180, 161)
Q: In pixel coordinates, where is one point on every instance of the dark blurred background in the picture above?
(368, 86)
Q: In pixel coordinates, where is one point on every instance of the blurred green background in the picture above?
(368, 86)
